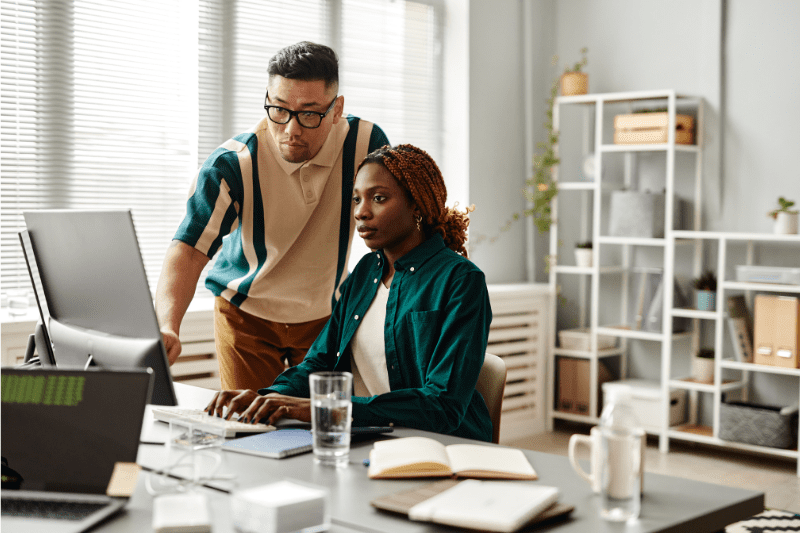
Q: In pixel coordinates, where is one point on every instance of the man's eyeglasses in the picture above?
(307, 119)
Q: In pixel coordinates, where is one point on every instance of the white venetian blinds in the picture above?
(99, 111)
(115, 103)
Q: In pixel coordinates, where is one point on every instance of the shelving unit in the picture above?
(710, 434)
(595, 104)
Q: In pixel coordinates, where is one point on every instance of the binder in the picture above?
(777, 331)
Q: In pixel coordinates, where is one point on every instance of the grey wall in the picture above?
(497, 166)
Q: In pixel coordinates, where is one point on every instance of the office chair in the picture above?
(491, 385)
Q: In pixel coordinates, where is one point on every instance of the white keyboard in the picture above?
(232, 427)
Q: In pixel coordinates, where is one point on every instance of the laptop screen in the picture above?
(64, 430)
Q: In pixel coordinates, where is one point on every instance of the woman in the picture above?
(424, 306)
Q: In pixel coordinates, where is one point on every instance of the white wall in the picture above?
(496, 153)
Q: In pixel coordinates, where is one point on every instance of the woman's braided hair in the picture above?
(419, 175)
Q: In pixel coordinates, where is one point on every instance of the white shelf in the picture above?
(735, 236)
(660, 147)
(577, 185)
(752, 367)
(567, 269)
(616, 331)
(608, 352)
(586, 419)
(694, 313)
(690, 384)
(761, 287)
(639, 241)
(708, 439)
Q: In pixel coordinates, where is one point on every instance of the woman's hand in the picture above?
(273, 407)
(256, 408)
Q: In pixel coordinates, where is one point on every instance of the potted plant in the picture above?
(703, 365)
(785, 217)
(573, 81)
(541, 188)
(583, 254)
(706, 291)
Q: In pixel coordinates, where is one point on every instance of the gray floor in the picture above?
(775, 476)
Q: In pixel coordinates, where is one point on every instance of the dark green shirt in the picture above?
(436, 330)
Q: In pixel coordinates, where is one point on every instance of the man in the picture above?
(282, 195)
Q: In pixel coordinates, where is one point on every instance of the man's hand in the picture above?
(256, 408)
(172, 344)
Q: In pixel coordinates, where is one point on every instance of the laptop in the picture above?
(63, 434)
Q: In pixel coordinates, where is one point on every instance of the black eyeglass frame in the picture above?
(295, 114)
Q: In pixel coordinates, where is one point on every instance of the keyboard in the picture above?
(232, 427)
(49, 509)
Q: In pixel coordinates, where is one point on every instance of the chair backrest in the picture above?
(492, 385)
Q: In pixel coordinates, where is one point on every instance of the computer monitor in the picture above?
(95, 288)
(44, 346)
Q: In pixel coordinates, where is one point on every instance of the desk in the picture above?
(669, 504)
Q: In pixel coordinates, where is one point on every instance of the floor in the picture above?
(775, 476)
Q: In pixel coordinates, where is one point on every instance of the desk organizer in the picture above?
(761, 425)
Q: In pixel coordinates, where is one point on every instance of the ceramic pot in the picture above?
(786, 223)
(583, 257)
(573, 83)
(706, 300)
(703, 369)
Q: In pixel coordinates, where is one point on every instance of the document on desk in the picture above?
(502, 506)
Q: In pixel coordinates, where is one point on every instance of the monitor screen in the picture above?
(96, 291)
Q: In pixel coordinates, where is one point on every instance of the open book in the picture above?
(425, 457)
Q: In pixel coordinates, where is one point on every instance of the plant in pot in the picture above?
(785, 217)
(573, 81)
(583, 254)
(703, 365)
(706, 291)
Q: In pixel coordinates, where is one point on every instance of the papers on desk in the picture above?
(502, 506)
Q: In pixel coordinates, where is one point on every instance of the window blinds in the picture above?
(115, 104)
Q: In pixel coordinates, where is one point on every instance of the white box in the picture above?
(767, 274)
(281, 507)
(647, 403)
(579, 339)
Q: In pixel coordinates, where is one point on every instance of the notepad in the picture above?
(275, 444)
(426, 457)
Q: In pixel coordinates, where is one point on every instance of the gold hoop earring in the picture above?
(419, 222)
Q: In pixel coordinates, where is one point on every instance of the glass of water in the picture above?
(330, 416)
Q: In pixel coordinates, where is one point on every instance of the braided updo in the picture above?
(419, 175)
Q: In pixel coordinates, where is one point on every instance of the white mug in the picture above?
(592, 441)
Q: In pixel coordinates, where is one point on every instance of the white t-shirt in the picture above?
(368, 359)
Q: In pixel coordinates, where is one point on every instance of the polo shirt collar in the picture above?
(419, 255)
(326, 156)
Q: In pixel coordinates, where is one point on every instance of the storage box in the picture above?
(579, 339)
(767, 274)
(776, 337)
(573, 385)
(647, 403)
(651, 128)
(762, 425)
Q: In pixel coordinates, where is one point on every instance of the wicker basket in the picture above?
(761, 425)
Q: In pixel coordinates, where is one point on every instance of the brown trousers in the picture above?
(252, 351)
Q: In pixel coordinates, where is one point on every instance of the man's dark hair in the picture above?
(306, 61)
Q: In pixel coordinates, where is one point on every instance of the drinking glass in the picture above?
(331, 410)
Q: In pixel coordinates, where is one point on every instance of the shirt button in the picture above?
(379, 256)
(338, 354)
(309, 194)
(306, 177)
(411, 269)
(356, 317)
(375, 280)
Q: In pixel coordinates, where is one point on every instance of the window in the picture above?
(115, 104)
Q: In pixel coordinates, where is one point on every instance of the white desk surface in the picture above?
(669, 504)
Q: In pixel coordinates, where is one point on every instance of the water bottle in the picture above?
(621, 453)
